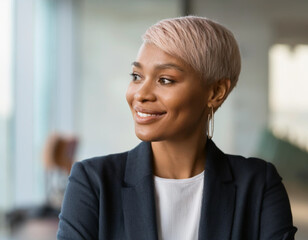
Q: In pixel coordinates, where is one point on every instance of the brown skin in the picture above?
(179, 101)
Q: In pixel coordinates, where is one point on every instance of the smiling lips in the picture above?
(146, 116)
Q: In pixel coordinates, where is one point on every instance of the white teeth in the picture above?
(146, 114)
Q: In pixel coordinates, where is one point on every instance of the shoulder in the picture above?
(253, 169)
(108, 163)
(102, 169)
(93, 183)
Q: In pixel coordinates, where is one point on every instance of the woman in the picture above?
(176, 184)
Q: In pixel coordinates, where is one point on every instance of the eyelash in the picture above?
(134, 76)
(161, 80)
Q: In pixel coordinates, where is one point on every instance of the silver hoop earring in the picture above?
(210, 124)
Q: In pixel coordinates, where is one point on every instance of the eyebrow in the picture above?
(161, 66)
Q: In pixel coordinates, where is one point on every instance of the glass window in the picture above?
(5, 97)
(288, 92)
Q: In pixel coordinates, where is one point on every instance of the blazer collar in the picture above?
(218, 200)
(217, 162)
(140, 163)
(139, 200)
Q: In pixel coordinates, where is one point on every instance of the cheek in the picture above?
(188, 107)
(130, 94)
(183, 101)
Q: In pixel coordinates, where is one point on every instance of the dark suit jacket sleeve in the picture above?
(276, 218)
(79, 215)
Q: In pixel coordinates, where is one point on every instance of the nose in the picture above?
(145, 91)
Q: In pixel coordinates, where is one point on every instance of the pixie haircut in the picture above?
(208, 47)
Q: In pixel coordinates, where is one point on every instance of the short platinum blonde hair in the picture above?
(208, 47)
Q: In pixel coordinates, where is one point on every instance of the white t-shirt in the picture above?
(178, 207)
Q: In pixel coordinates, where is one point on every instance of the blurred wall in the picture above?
(257, 25)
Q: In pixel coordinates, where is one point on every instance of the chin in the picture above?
(148, 137)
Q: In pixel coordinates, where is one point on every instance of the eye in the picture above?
(165, 81)
(135, 77)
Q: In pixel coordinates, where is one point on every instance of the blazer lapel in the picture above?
(218, 197)
(138, 199)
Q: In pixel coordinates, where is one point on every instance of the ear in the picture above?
(218, 93)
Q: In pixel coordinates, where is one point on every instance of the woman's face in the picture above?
(167, 97)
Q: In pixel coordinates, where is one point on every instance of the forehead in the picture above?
(149, 55)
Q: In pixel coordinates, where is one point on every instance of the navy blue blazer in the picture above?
(112, 197)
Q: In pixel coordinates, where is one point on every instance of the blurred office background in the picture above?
(64, 70)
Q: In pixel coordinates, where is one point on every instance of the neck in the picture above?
(179, 159)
